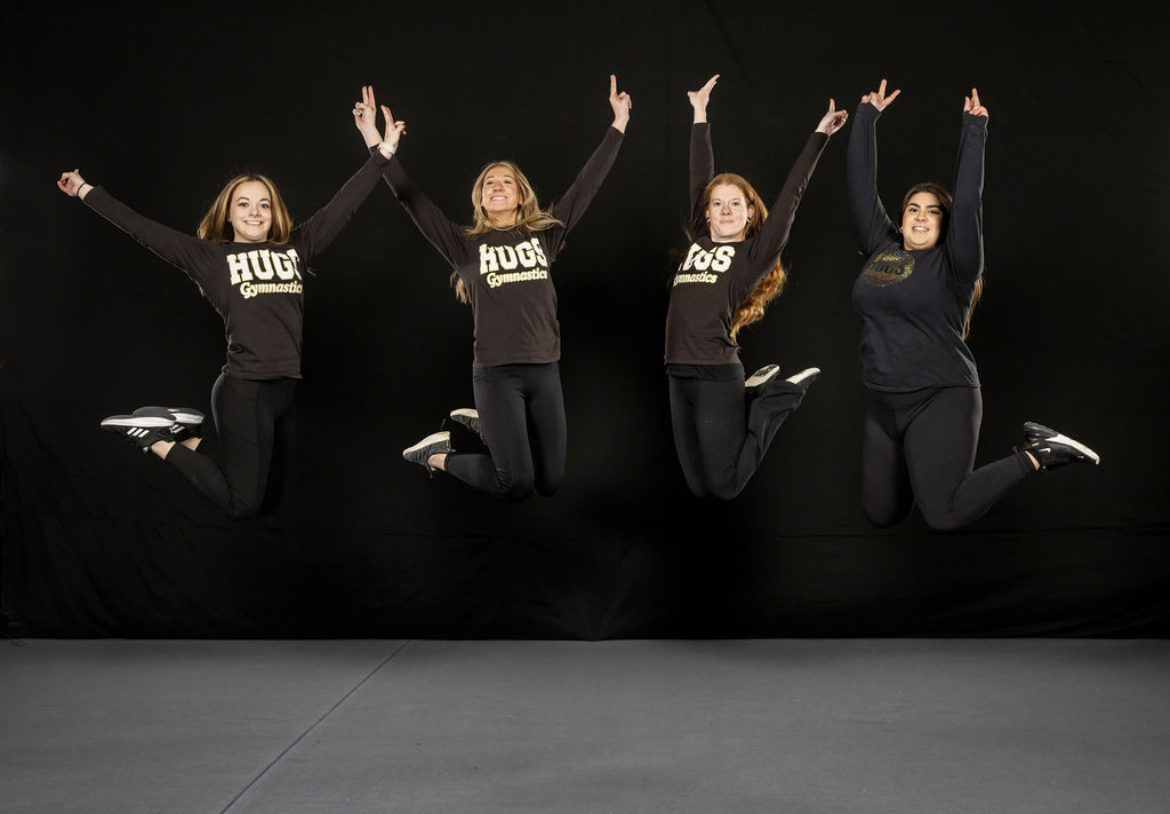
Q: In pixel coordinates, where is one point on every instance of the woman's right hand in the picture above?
(699, 98)
(71, 183)
(878, 97)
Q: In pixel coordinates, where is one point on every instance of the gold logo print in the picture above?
(888, 268)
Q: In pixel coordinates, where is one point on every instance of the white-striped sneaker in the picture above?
(1053, 449)
(146, 426)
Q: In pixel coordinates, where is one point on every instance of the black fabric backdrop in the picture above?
(162, 108)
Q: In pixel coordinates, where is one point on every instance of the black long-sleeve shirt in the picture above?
(913, 303)
(257, 288)
(507, 272)
(715, 278)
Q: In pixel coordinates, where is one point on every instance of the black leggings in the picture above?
(522, 416)
(721, 431)
(921, 445)
(254, 420)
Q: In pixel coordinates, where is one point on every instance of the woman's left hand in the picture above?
(833, 120)
(365, 114)
(971, 104)
(621, 104)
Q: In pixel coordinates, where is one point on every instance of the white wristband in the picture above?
(385, 149)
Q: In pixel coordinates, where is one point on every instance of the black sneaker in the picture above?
(805, 377)
(1054, 450)
(468, 417)
(188, 422)
(761, 376)
(437, 443)
(146, 426)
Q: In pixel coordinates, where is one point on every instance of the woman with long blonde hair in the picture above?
(248, 261)
(502, 268)
(915, 295)
(723, 424)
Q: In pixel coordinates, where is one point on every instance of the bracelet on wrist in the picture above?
(386, 150)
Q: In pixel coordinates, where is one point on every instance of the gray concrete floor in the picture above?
(902, 726)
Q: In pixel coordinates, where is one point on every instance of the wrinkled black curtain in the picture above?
(163, 107)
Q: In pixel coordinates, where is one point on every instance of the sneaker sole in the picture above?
(804, 375)
(755, 380)
(187, 417)
(433, 438)
(139, 422)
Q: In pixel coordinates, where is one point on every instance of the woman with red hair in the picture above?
(723, 424)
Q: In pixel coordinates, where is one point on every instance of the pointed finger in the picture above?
(711, 83)
(893, 96)
(881, 89)
(612, 85)
(975, 97)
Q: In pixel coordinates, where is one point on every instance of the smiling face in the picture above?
(922, 220)
(728, 212)
(501, 196)
(250, 212)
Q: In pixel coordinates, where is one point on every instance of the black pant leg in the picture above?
(886, 495)
(940, 442)
(507, 471)
(767, 409)
(548, 436)
(686, 436)
(244, 412)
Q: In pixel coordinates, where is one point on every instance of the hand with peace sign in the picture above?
(365, 115)
(878, 97)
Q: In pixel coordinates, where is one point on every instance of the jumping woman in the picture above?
(915, 296)
(501, 267)
(249, 262)
(722, 424)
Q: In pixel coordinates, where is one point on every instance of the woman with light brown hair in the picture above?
(723, 424)
(248, 261)
(502, 268)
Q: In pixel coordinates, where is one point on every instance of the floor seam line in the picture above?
(312, 726)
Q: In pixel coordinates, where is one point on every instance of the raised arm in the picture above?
(774, 236)
(316, 233)
(702, 156)
(185, 252)
(965, 231)
(436, 227)
(572, 205)
(870, 220)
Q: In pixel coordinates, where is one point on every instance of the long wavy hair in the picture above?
(217, 224)
(529, 216)
(767, 289)
(948, 201)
